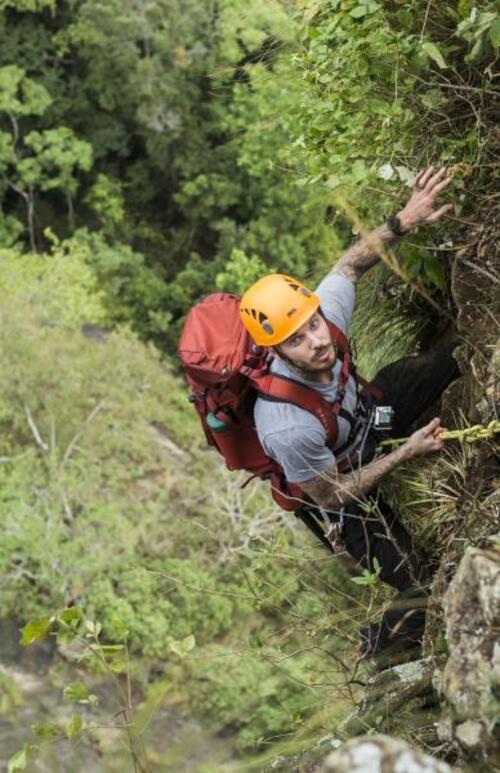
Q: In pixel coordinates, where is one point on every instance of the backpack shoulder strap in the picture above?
(339, 337)
(281, 388)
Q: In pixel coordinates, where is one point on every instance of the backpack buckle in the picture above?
(194, 396)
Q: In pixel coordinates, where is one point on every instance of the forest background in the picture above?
(151, 152)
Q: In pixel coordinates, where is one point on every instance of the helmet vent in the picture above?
(267, 328)
(298, 287)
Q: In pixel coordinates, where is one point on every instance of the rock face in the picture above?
(470, 679)
(408, 686)
(381, 754)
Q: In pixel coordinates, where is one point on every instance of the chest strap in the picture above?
(283, 389)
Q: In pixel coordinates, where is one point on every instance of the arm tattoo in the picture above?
(364, 254)
(332, 490)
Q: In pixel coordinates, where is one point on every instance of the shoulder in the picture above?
(337, 294)
(276, 417)
(294, 438)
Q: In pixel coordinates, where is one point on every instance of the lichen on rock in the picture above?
(381, 754)
(388, 692)
(470, 678)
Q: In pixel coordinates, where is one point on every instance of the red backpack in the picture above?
(225, 371)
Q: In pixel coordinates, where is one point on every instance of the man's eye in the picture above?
(314, 324)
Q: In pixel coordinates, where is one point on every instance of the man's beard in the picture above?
(307, 370)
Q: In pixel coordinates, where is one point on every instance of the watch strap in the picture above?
(394, 225)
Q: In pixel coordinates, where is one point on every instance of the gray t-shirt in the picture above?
(293, 436)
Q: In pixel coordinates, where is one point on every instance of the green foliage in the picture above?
(481, 30)
(105, 197)
(240, 272)
(388, 331)
(133, 293)
(28, 5)
(378, 79)
(156, 152)
(60, 285)
(77, 692)
(36, 630)
(176, 182)
(19, 760)
(21, 95)
(71, 627)
(57, 155)
(245, 692)
(95, 509)
(184, 646)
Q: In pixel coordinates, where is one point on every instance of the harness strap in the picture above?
(375, 391)
(275, 387)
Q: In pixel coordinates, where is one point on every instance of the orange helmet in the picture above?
(275, 307)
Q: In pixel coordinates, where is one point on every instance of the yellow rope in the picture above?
(468, 435)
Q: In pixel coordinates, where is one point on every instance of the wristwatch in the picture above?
(394, 225)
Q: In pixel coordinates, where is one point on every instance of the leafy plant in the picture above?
(71, 627)
(367, 578)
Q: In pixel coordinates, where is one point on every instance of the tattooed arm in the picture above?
(419, 209)
(331, 490)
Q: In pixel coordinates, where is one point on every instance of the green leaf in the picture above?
(76, 691)
(44, 731)
(358, 171)
(464, 8)
(358, 12)
(435, 54)
(363, 580)
(119, 627)
(36, 630)
(434, 271)
(184, 646)
(74, 725)
(20, 759)
(333, 181)
(405, 174)
(495, 33)
(110, 649)
(93, 628)
(433, 99)
(70, 614)
(117, 666)
(378, 106)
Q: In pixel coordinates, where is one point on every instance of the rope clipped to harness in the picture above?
(467, 435)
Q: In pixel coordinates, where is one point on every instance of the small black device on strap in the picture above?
(394, 225)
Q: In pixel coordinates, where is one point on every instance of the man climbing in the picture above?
(342, 479)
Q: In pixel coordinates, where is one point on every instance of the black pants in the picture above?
(410, 385)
